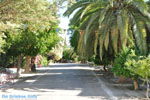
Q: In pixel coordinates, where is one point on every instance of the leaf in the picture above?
(88, 28)
(106, 41)
(140, 33)
(77, 5)
(114, 37)
(122, 21)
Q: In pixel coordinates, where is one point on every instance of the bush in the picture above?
(69, 54)
(44, 61)
(141, 66)
(119, 68)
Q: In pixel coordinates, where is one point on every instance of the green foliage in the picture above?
(69, 54)
(36, 14)
(119, 68)
(139, 65)
(2, 42)
(27, 43)
(44, 61)
(74, 39)
(31, 43)
(29, 27)
(26, 29)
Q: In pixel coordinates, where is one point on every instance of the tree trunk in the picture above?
(27, 64)
(136, 86)
(104, 67)
(19, 65)
(33, 65)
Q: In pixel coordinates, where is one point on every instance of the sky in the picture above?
(64, 23)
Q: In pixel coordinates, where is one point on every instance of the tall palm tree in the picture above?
(117, 23)
(148, 31)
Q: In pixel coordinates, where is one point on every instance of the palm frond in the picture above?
(122, 21)
(88, 27)
(76, 6)
(142, 7)
(75, 20)
(140, 36)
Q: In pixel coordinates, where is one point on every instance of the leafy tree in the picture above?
(35, 14)
(35, 17)
(29, 44)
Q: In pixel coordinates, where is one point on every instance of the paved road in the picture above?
(59, 82)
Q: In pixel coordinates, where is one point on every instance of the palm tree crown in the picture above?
(115, 23)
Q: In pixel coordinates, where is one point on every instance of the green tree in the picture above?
(36, 14)
(28, 44)
(34, 17)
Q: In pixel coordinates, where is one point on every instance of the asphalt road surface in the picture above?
(59, 82)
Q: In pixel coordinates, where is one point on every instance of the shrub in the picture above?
(141, 66)
(69, 54)
(119, 67)
(44, 61)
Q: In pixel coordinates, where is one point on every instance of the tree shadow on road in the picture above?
(77, 80)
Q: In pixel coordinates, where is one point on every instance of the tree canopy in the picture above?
(37, 14)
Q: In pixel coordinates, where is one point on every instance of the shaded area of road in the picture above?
(62, 82)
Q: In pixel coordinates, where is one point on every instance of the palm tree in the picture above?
(148, 31)
(116, 23)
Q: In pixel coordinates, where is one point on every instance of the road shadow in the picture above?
(76, 78)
